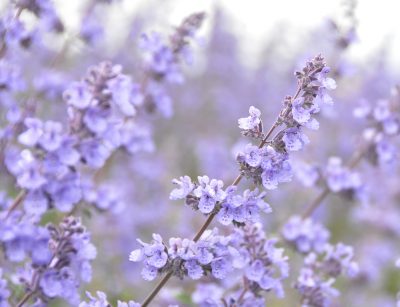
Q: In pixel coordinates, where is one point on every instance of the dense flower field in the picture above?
(158, 168)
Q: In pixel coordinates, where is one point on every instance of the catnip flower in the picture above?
(185, 188)
(316, 279)
(209, 193)
(341, 179)
(203, 196)
(101, 301)
(305, 235)
(184, 257)
(70, 265)
(209, 196)
(78, 95)
(307, 174)
(384, 124)
(242, 209)
(263, 263)
(262, 266)
(294, 139)
(273, 168)
(252, 122)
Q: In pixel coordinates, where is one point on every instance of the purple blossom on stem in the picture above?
(185, 188)
(70, 265)
(52, 137)
(209, 193)
(268, 266)
(32, 135)
(242, 208)
(208, 196)
(184, 257)
(20, 239)
(294, 139)
(28, 172)
(273, 168)
(384, 124)
(341, 179)
(316, 279)
(101, 301)
(78, 96)
(252, 155)
(262, 265)
(307, 174)
(305, 235)
(252, 122)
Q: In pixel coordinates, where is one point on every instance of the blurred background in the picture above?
(245, 54)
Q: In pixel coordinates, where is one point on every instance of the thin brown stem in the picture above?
(37, 275)
(315, 204)
(357, 157)
(244, 291)
(26, 298)
(17, 201)
(204, 227)
(18, 13)
(157, 289)
(352, 163)
(224, 302)
(3, 46)
(242, 296)
(31, 292)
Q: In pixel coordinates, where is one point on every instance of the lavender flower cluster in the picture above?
(87, 146)
(323, 262)
(208, 196)
(185, 257)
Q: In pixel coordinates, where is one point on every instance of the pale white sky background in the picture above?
(253, 20)
(378, 21)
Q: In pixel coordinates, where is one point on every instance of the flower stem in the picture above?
(32, 291)
(316, 203)
(352, 163)
(3, 46)
(26, 297)
(243, 293)
(157, 289)
(17, 201)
